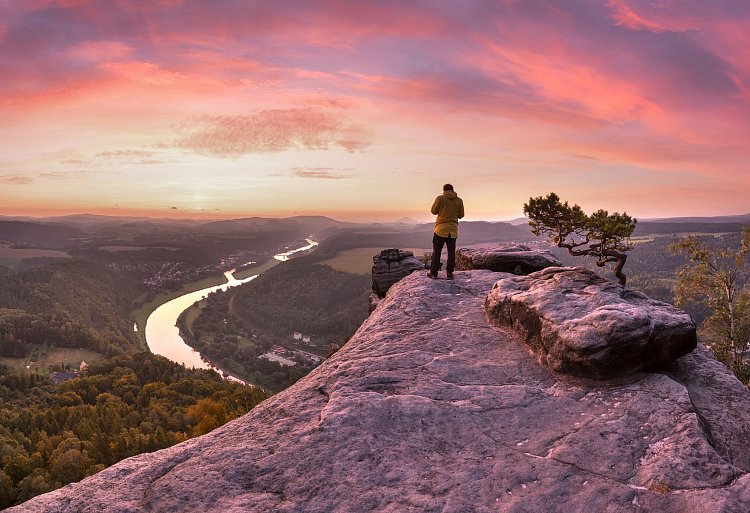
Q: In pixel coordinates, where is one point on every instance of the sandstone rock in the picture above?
(390, 266)
(507, 258)
(372, 302)
(429, 408)
(579, 323)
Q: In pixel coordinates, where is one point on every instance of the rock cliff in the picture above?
(577, 322)
(430, 408)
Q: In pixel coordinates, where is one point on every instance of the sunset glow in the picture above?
(362, 110)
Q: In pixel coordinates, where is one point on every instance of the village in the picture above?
(66, 374)
(291, 357)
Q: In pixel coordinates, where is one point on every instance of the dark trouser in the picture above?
(437, 249)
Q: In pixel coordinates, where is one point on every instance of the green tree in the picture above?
(601, 235)
(718, 278)
(35, 484)
(7, 491)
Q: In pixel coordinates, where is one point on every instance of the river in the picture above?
(163, 336)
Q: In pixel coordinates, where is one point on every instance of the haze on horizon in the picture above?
(362, 110)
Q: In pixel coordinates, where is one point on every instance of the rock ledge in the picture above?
(429, 408)
(390, 266)
(507, 258)
(579, 323)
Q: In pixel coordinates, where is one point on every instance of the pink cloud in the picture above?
(324, 173)
(147, 72)
(630, 83)
(100, 51)
(267, 131)
(626, 16)
(16, 180)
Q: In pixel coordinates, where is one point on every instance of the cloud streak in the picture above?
(16, 180)
(394, 91)
(325, 173)
(266, 131)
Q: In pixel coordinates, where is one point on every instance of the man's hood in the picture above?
(450, 194)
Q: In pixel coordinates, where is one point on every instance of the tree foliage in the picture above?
(719, 279)
(601, 235)
(51, 435)
(67, 304)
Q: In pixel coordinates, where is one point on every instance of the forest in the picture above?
(54, 434)
(67, 304)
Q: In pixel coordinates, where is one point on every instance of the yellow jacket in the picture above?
(448, 208)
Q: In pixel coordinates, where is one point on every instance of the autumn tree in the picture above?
(7, 491)
(601, 235)
(208, 414)
(719, 279)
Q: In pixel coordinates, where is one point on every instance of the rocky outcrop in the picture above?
(507, 258)
(389, 267)
(579, 323)
(431, 408)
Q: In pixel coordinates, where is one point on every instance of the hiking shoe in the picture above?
(432, 276)
(449, 276)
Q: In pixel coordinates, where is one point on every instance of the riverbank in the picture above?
(141, 315)
(155, 321)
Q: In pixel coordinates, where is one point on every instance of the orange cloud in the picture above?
(16, 180)
(320, 172)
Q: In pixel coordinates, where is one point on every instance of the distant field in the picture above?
(115, 249)
(359, 260)
(255, 269)
(44, 358)
(21, 254)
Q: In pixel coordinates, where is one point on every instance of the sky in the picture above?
(362, 110)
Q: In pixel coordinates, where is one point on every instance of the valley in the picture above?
(86, 290)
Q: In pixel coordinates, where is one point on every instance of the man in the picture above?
(448, 208)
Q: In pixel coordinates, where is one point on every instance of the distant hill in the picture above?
(482, 231)
(673, 225)
(471, 232)
(383, 236)
(702, 220)
(304, 225)
(518, 221)
(98, 224)
(666, 228)
(37, 234)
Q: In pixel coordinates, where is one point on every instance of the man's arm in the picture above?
(436, 206)
(461, 209)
